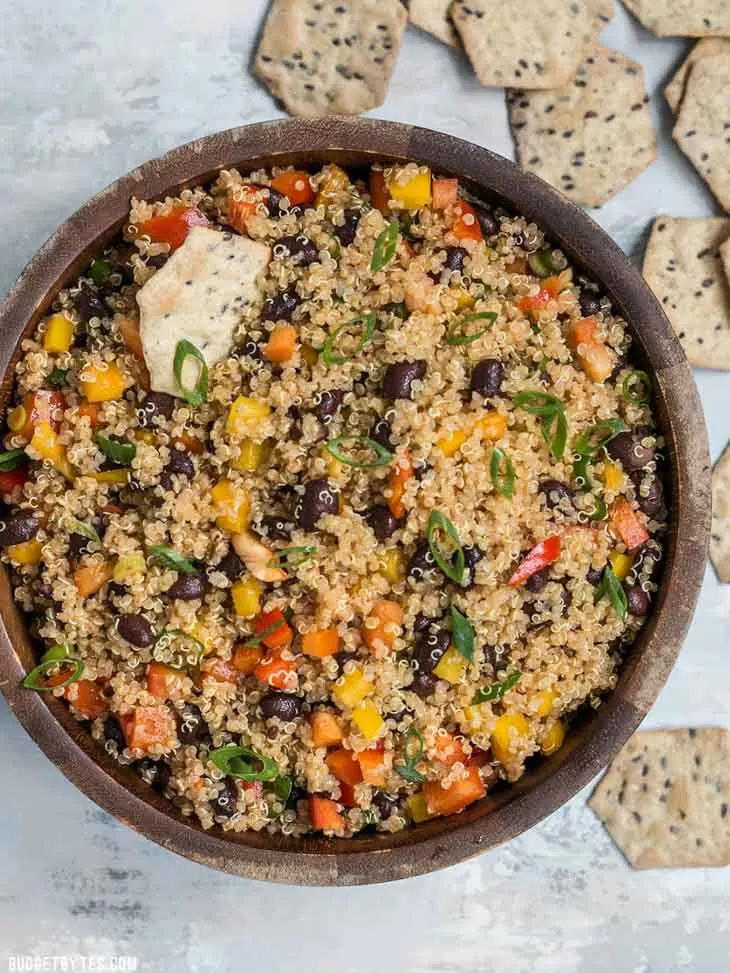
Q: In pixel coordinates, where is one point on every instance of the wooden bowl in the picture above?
(549, 783)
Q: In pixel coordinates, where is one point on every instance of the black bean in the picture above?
(382, 522)
(224, 805)
(78, 544)
(555, 492)
(422, 563)
(648, 562)
(282, 705)
(231, 565)
(429, 649)
(629, 450)
(281, 307)
(346, 233)
(343, 658)
(319, 499)
(421, 623)
(380, 433)
(299, 248)
(188, 587)
(113, 732)
(566, 597)
(277, 528)
(487, 221)
(487, 377)
(180, 464)
(157, 261)
(192, 727)
(156, 405)
(423, 685)
(649, 504)
(594, 576)
(272, 199)
(115, 590)
(638, 601)
(496, 656)
(537, 581)
(399, 378)
(472, 556)
(455, 257)
(89, 304)
(252, 349)
(135, 629)
(326, 404)
(18, 528)
(590, 303)
(385, 804)
(156, 773)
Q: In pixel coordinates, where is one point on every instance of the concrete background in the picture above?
(87, 91)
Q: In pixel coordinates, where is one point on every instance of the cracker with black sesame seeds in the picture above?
(602, 11)
(327, 57)
(682, 18)
(674, 91)
(433, 17)
(664, 799)
(702, 129)
(720, 531)
(523, 43)
(592, 136)
(682, 266)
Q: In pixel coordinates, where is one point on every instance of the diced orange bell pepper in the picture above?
(87, 698)
(448, 750)
(129, 330)
(92, 577)
(321, 644)
(444, 192)
(343, 765)
(347, 795)
(295, 185)
(10, 479)
(326, 729)
(466, 225)
(221, 670)
(89, 410)
(37, 408)
(387, 614)
(594, 357)
(250, 201)
(173, 228)
(282, 344)
(549, 289)
(273, 670)
(147, 727)
(455, 797)
(379, 190)
(246, 658)
(164, 682)
(541, 555)
(518, 265)
(402, 473)
(372, 767)
(627, 524)
(278, 632)
(324, 815)
(191, 443)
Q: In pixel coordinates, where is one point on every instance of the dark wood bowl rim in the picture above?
(435, 844)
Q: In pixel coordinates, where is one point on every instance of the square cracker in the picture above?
(682, 266)
(590, 137)
(674, 91)
(702, 129)
(523, 43)
(720, 531)
(682, 18)
(326, 57)
(433, 17)
(665, 798)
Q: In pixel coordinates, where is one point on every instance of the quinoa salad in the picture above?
(331, 498)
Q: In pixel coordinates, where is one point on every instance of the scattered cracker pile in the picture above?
(683, 18)
(665, 798)
(720, 532)
(707, 47)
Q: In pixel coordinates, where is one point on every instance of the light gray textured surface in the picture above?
(87, 91)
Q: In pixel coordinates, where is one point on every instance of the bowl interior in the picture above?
(507, 810)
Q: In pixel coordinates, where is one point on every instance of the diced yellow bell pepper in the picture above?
(232, 505)
(45, 443)
(492, 426)
(334, 180)
(415, 193)
(353, 689)
(508, 727)
(554, 738)
(17, 418)
(452, 441)
(310, 355)
(393, 564)
(244, 415)
(542, 703)
(111, 476)
(145, 436)
(332, 465)
(59, 334)
(613, 476)
(417, 808)
(451, 667)
(252, 456)
(621, 564)
(29, 552)
(127, 566)
(368, 720)
(464, 299)
(102, 384)
(246, 595)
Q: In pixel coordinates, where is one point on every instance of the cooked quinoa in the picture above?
(400, 520)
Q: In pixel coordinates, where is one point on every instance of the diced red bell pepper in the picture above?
(372, 766)
(277, 629)
(343, 764)
(249, 201)
(164, 682)
(173, 228)
(549, 290)
(379, 190)
(147, 727)
(444, 192)
(448, 750)
(466, 225)
(455, 797)
(295, 185)
(324, 814)
(86, 698)
(10, 479)
(542, 554)
(273, 670)
(347, 795)
(400, 476)
(627, 524)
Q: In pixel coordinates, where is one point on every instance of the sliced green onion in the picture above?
(462, 634)
(168, 635)
(538, 403)
(558, 440)
(244, 763)
(171, 559)
(258, 639)
(452, 567)
(541, 263)
(368, 321)
(118, 452)
(282, 788)
(385, 246)
(11, 459)
(600, 510)
(292, 557)
(638, 395)
(413, 748)
(56, 652)
(496, 690)
(31, 681)
(100, 271)
(590, 442)
(335, 248)
(612, 587)
(399, 309)
(58, 377)
(456, 335)
(199, 392)
(86, 530)
(502, 473)
(383, 456)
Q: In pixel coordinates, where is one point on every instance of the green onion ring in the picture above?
(632, 396)
(236, 761)
(504, 481)
(199, 392)
(455, 335)
(383, 456)
(385, 246)
(453, 568)
(328, 356)
(31, 680)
